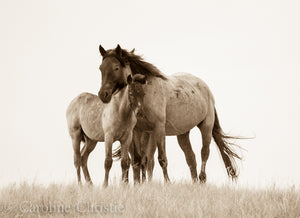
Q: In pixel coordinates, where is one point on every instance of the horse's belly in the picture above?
(94, 131)
(182, 117)
(91, 124)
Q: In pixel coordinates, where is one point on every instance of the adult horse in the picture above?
(170, 105)
(90, 121)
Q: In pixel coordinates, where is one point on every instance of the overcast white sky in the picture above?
(246, 51)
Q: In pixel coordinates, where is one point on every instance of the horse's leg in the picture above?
(125, 161)
(135, 162)
(108, 158)
(151, 147)
(205, 127)
(76, 139)
(185, 145)
(144, 140)
(160, 136)
(150, 168)
(85, 152)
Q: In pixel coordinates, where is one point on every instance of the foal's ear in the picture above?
(119, 50)
(140, 78)
(132, 51)
(102, 50)
(129, 79)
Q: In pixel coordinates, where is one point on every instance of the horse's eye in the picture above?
(117, 68)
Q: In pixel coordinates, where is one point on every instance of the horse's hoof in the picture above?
(136, 183)
(105, 184)
(195, 180)
(125, 180)
(167, 180)
(90, 184)
(202, 177)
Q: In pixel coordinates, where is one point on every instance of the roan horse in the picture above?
(170, 105)
(90, 121)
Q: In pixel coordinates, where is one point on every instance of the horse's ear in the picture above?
(140, 78)
(102, 50)
(129, 79)
(132, 51)
(119, 50)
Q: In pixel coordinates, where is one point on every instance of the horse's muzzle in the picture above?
(104, 96)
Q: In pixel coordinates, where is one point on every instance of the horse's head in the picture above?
(114, 70)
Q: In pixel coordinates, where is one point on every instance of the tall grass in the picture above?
(147, 200)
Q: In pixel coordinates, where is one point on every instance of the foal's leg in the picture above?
(85, 152)
(135, 162)
(144, 140)
(125, 161)
(136, 155)
(206, 132)
(108, 158)
(76, 139)
(185, 145)
(151, 147)
(150, 168)
(160, 135)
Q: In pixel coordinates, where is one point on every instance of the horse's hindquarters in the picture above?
(90, 116)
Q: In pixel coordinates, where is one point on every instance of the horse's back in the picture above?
(73, 109)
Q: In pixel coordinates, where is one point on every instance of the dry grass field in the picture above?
(147, 200)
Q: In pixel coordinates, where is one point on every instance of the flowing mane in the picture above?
(137, 63)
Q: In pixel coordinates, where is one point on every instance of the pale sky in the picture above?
(248, 53)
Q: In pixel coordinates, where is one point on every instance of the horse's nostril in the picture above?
(106, 94)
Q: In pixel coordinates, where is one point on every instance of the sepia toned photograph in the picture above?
(149, 108)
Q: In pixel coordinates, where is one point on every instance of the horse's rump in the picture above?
(85, 112)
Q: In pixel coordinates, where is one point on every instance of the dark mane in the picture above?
(137, 63)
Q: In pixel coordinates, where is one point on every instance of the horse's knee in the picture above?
(125, 163)
(108, 163)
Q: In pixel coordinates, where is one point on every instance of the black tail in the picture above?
(117, 153)
(225, 147)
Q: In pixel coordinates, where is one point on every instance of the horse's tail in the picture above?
(225, 147)
(117, 153)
